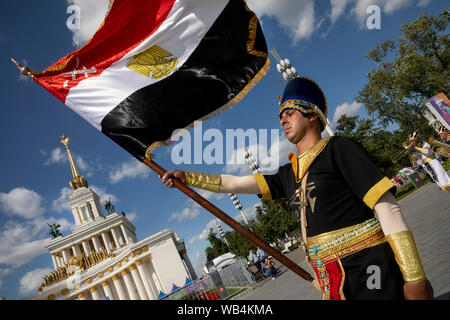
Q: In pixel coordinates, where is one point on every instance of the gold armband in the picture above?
(422, 150)
(407, 256)
(210, 182)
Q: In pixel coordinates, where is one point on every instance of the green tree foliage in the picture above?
(382, 145)
(409, 71)
(274, 219)
(217, 248)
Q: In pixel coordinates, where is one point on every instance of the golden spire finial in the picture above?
(24, 69)
(78, 181)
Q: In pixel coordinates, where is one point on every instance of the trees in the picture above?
(274, 219)
(381, 144)
(217, 248)
(409, 71)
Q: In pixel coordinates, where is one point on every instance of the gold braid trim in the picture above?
(374, 194)
(210, 182)
(263, 186)
(407, 256)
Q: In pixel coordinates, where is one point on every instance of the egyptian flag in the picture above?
(156, 66)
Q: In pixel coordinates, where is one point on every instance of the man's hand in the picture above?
(167, 177)
(418, 291)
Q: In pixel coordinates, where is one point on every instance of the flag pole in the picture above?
(231, 222)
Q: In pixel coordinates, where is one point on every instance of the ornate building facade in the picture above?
(102, 258)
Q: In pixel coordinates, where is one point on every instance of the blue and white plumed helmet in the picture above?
(304, 95)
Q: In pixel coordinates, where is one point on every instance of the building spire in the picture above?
(77, 181)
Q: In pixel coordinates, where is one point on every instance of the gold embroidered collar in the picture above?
(301, 164)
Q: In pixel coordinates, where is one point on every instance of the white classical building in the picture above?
(103, 259)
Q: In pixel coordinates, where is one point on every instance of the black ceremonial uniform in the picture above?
(345, 240)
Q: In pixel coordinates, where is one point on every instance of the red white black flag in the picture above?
(156, 66)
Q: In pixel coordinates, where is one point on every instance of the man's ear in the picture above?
(313, 117)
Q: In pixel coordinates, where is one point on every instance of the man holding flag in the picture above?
(333, 187)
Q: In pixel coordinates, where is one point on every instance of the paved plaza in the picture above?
(427, 213)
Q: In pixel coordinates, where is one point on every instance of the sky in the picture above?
(324, 40)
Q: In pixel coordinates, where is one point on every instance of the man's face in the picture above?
(294, 125)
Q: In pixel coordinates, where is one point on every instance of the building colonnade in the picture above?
(110, 240)
(131, 283)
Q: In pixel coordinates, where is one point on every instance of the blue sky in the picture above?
(325, 40)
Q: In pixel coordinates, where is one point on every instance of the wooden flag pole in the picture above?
(231, 222)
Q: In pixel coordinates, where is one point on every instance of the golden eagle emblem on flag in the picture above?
(153, 60)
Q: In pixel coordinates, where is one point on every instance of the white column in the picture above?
(158, 275)
(125, 233)
(96, 243)
(147, 280)
(86, 247)
(108, 291)
(138, 281)
(129, 284)
(106, 241)
(119, 288)
(55, 262)
(76, 249)
(116, 237)
(66, 255)
(95, 293)
(59, 259)
(89, 212)
(82, 296)
(76, 216)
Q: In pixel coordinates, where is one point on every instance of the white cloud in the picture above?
(82, 165)
(358, 8)
(349, 109)
(56, 156)
(132, 216)
(337, 9)
(387, 6)
(21, 242)
(297, 17)
(32, 280)
(423, 3)
(130, 169)
(60, 204)
(17, 243)
(3, 273)
(185, 214)
(249, 212)
(103, 195)
(92, 15)
(192, 209)
(203, 235)
(22, 202)
(268, 161)
(59, 156)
